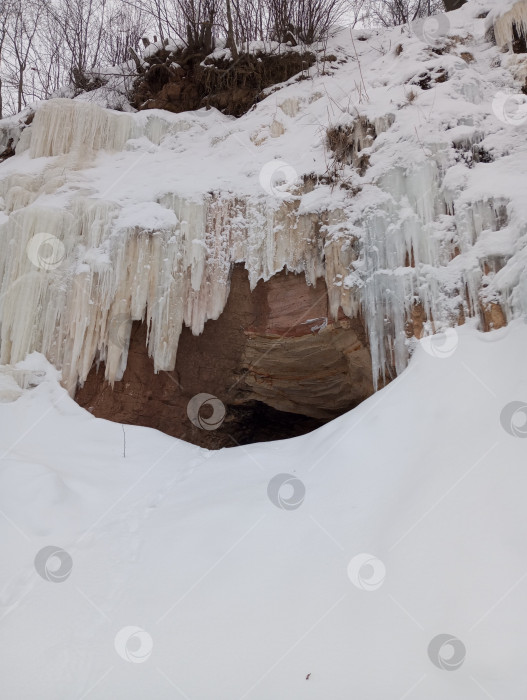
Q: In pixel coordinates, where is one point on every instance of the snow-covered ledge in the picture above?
(508, 15)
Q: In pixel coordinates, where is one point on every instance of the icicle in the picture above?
(73, 280)
(505, 24)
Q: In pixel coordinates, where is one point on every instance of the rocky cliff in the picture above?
(287, 261)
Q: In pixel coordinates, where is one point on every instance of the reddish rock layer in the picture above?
(277, 362)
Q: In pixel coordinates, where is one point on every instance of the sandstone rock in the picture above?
(279, 366)
(493, 317)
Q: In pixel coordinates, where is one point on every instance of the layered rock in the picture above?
(274, 353)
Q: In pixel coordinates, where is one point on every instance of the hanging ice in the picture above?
(508, 16)
(76, 268)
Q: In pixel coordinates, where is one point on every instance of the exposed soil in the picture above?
(188, 80)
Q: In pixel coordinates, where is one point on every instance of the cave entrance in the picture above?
(275, 364)
(257, 422)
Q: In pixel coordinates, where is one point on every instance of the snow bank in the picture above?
(381, 556)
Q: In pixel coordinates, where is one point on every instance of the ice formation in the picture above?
(86, 247)
(62, 126)
(507, 17)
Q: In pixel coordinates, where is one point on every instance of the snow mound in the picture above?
(381, 556)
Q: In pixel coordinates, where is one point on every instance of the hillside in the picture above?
(339, 259)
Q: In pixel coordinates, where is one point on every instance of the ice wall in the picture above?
(74, 276)
(64, 126)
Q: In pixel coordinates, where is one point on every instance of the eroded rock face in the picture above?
(274, 358)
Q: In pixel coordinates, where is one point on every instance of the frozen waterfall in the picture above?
(76, 268)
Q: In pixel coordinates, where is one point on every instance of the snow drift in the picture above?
(380, 556)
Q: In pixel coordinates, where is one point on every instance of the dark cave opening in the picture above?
(257, 422)
(274, 365)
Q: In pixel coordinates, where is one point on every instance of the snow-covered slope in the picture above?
(382, 556)
(336, 565)
(114, 216)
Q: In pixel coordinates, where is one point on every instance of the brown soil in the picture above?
(188, 80)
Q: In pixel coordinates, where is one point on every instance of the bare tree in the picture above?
(81, 24)
(48, 44)
(124, 28)
(6, 10)
(19, 46)
(390, 13)
(303, 21)
(312, 19)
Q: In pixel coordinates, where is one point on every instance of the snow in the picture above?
(342, 564)
(152, 49)
(11, 129)
(172, 572)
(147, 213)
